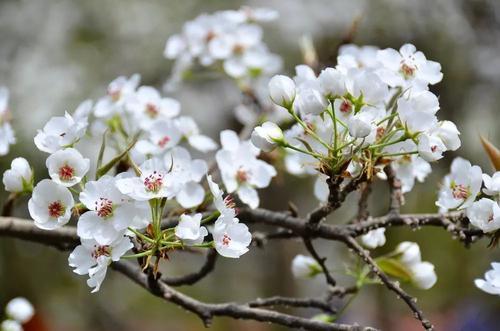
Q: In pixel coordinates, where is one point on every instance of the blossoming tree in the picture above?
(142, 195)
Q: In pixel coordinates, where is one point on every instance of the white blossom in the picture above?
(119, 92)
(189, 229)
(267, 136)
(162, 135)
(20, 310)
(485, 214)
(7, 137)
(417, 112)
(448, 133)
(67, 167)
(50, 205)
(189, 130)
(430, 147)
(305, 267)
(224, 205)
(19, 178)
(10, 325)
(409, 253)
(491, 282)
(231, 237)
(492, 184)
(332, 82)
(374, 238)
(282, 90)
(310, 101)
(423, 275)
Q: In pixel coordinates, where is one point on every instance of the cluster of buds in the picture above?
(18, 312)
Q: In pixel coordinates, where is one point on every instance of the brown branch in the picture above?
(391, 285)
(194, 277)
(365, 189)
(321, 261)
(396, 194)
(294, 302)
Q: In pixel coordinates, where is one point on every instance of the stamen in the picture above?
(56, 209)
(66, 173)
(104, 207)
(154, 182)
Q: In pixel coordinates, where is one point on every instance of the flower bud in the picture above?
(20, 310)
(282, 90)
(311, 101)
(19, 178)
(332, 82)
(10, 325)
(305, 267)
(360, 125)
(409, 253)
(423, 275)
(374, 238)
(267, 136)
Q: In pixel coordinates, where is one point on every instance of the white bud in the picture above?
(267, 136)
(360, 125)
(19, 177)
(332, 82)
(305, 267)
(423, 275)
(311, 101)
(282, 90)
(410, 253)
(20, 310)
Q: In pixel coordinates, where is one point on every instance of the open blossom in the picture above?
(20, 310)
(448, 133)
(190, 131)
(430, 147)
(186, 175)
(374, 238)
(189, 229)
(7, 137)
(50, 205)
(93, 259)
(282, 90)
(110, 212)
(224, 205)
(19, 178)
(64, 131)
(492, 184)
(67, 167)
(422, 273)
(305, 267)
(155, 181)
(147, 106)
(461, 187)
(162, 135)
(231, 237)
(485, 214)
(408, 68)
(310, 101)
(118, 93)
(491, 282)
(353, 56)
(267, 136)
(241, 171)
(418, 112)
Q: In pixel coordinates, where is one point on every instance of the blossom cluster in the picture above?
(7, 136)
(18, 311)
(148, 174)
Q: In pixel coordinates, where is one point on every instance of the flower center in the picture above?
(226, 240)
(242, 175)
(434, 148)
(407, 70)
(380, 132)
(104, 207)
(56, 209)
(66, 173)
(345, 107)
(115, 94)
(460, 191)
(238, 49)
(151, 110)
(163, 141)
(103, 250)
(154, 182)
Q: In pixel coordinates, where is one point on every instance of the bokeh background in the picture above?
(54, 54)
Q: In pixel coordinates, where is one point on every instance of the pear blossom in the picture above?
(19, 178)
(417, 112)
(67, 167)
(7, 136)
(189, 130)
(361, 125)
(119, 91)
(282, 90)
(50, 205)
(224, 205)
(155, 181)
(491, 282)
(20, 310)
(267, 136)
(485, 214)
(240, 169)
(409, 168)
(408, 68)
(461, 187)
(110, 211)
(332, 82)
(231, 237)
(62, 132)
(448, 133)
(162, 135)
(321, 189)
(189, 229)
(10, 325)
(147, 106)
(186, 174)
(430, 147)
(492, 184)
(93, 259)
(353, 56)
(305, 267)
(423, 275)
(310, 101)
(374, 238)
(408, 253)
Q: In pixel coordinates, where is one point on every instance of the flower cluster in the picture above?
(372, 109)
(7, 137)
(18, 312)
(142, 172)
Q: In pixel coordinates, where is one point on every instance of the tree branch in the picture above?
(194, 277)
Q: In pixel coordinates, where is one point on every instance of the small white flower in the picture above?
(374, 238)
(423, 275)
(19, 178)
(332, 82)
(282, 90)
(154, 182)
(93, 259)
(417, 113)
(189, 229)
(492, 184)
(110, 212)
(118, 93)
(50, 205)
(408, 253)
(231, 237)
(360, 125)
(430, 147)
(67, 167)
(190, 131)
(305, 267)
(162, 135)
(491, 282)
(447, 131)
(62, 132)
(310, 101)
(485, 214)
(224, 205)
(10, 325)
(461, 187)
(20, 310)
(267, 136)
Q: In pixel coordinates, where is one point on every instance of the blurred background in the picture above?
(54, 54)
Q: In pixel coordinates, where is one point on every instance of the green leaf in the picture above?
(394, 268)
(101, 151)
(108, 166)
(306, 144)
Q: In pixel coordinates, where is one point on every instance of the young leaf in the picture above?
(492, 151)
(394, 268)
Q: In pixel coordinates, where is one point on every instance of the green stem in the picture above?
(141, 254)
